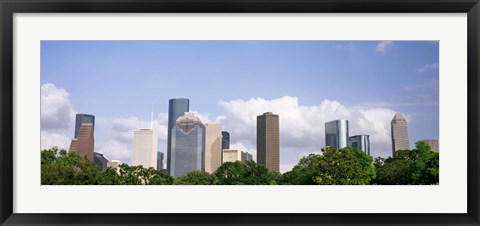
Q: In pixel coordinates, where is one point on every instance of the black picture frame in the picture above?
(9, 7)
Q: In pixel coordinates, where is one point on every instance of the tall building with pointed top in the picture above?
(176, 108)
(145, 146)
(268, 141)
(213, 146)
(399, 129)
(188, 145)
(336, 133)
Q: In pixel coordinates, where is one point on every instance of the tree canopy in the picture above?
(237, 173)
(60, 167)
(417, 166)
(346, 166)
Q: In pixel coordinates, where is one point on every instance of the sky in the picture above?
(306, 83)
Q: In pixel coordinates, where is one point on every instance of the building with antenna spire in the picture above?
(145, 146)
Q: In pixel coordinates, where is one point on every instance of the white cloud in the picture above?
(427, 67)
(302, 128)
(118, 144)
(115, 150)
(56, 108)
(48, 140)
(383, 46)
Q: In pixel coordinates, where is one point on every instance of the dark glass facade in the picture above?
(188, 145)
(176, 108)
(225, 140)
(159, 161)
(83, 118)
(100, 160)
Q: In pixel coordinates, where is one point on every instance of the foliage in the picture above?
(417, 166)
(60, 167)
(237, 173)
(348, 165)
(195, 178)
(304, 172)
(344, 166)
(392, 171)
(138, 175)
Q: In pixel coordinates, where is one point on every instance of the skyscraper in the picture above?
(213, 146)
(268, 141)
(83, 144)
(225, 140)
(176, 108)
(336, 134)
(399, 129)
(188, 145)
(145, 146)
(160, 159)
(361, 142)
(83, 118)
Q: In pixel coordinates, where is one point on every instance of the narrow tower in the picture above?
(399, 129)
(268, 141)
(176, 108)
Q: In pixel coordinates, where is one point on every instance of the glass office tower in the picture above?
(188, 145)
(361, 142)
(176, 108)
(336, 134)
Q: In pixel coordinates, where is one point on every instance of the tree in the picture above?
(417, 166)
(230, 173)
(393, 171)
(257, 174)
(425, 169)
(60, 167)
(346, 166)
(138, 175)
(304, 172)
(237, 173)
(195, 178)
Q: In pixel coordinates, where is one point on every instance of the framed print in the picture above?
(241, 113)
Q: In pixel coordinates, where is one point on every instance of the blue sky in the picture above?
(231, 81)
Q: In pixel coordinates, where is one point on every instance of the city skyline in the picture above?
(306, 93)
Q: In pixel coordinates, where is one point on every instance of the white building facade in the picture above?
(145, 145)
(213, 146)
